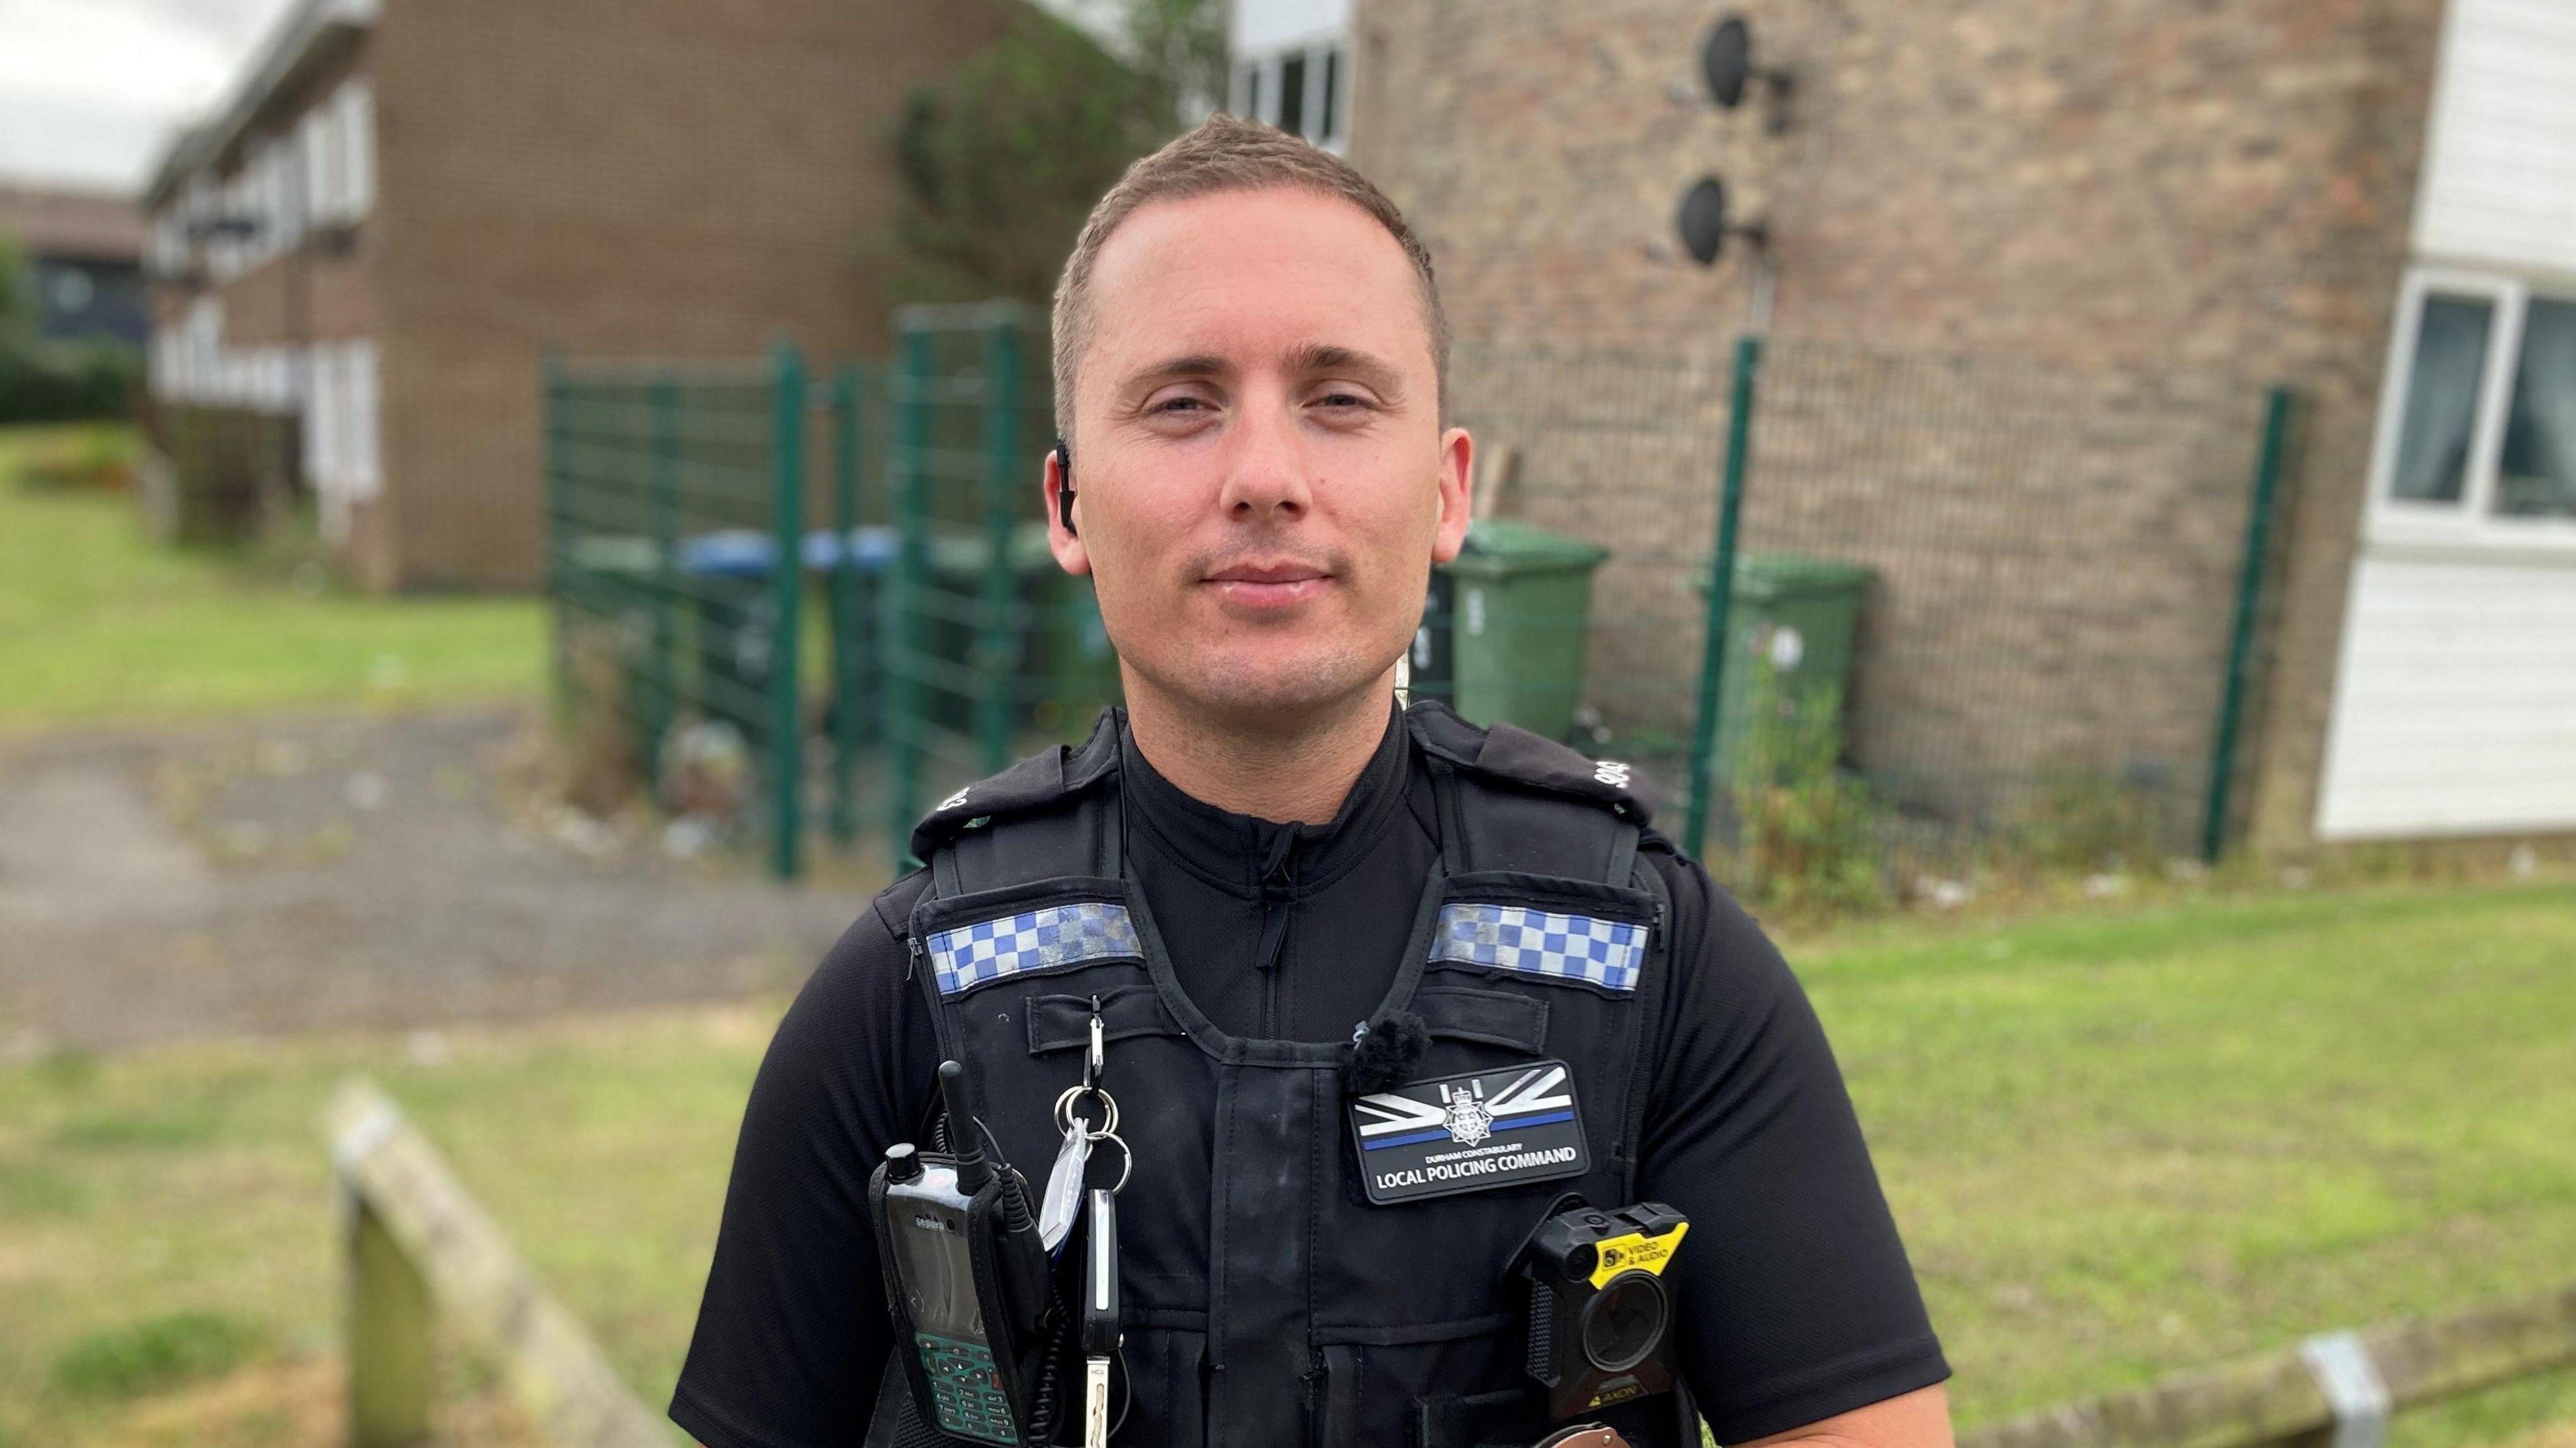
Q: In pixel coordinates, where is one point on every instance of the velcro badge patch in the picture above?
(1542, 943)
(1469, 1133)
(1048, 938)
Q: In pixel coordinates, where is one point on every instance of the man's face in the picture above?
(1261, 479)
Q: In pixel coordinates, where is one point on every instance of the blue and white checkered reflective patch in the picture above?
(1606, 953)
(1042, 939)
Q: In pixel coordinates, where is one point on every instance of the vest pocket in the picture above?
(1377, 1381)
(1167, 1387)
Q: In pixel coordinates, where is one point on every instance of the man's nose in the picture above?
(1265, 473)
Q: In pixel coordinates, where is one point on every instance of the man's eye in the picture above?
(1343, 401)
(1178, 404)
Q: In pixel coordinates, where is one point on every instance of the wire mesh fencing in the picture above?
(1983, 613)
(708, 567)
(990, 650)
(1978, 613)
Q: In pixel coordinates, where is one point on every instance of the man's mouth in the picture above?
(1269, 585)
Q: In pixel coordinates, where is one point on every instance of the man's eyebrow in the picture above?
(1173, 369)
(1327, 357)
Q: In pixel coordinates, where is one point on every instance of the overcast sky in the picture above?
(91, 90)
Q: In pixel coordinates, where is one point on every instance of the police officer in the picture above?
(1283, 898)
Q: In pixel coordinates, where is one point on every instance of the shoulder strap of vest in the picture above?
(1510, 800)
(1062, 821)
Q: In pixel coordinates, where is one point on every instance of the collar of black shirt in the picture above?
(1243, 853)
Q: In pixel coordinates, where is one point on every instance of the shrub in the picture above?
(1809, 837)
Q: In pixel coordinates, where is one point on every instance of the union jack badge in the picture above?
(1469, 1133)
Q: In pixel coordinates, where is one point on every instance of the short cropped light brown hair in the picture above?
(1227, 153)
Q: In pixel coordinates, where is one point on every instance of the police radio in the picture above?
(967, 1282)
(1600, 1317)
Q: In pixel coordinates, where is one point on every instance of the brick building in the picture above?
(84, 252)
(405, 202)
(2373, 200)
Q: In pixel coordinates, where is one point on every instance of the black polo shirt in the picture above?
(1797, 1300)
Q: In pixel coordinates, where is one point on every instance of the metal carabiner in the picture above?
(1098, 1060)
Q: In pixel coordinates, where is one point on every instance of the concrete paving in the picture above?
(283, 875)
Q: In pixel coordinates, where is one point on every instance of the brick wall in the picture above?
(664, 178)
(2130, 186)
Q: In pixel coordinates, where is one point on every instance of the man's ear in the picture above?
(1457, 493)
(1070, 555)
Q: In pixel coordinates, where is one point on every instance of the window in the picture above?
(313, 138)
(1328, 125)
(357, 106)
(1292, 95)
(1299, 90)
(2537, 475)
(2477, 437)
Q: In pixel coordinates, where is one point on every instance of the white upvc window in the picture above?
(313, 143)
(1302, 89)
(2476, 437)
(356, 103)
(321, 404)
(365, 448)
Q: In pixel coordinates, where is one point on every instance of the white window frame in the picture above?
(1272, 70)
(357, 106)
(2470, 522)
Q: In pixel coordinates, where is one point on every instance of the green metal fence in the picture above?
(990, 650)
(1978, 613)
(691, 523)
(1984, 613)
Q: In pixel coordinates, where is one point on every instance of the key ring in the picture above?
(1066, 1120)
(1126, 1159)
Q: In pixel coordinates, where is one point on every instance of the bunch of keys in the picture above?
(1065, 1197)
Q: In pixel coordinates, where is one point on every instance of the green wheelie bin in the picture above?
(1503, 632)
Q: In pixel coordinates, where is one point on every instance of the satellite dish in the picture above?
(1726, 61)
(1704, 225)
(1726, 64)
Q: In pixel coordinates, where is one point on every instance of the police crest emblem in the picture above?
(1466, 1118)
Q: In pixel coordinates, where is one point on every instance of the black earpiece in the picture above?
(1064, 484)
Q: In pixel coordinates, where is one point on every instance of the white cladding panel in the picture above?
(2500, 164)
(2455, 706)
(1261, 26)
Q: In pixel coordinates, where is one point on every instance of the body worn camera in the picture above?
(1600, 1316)
(967, 1282)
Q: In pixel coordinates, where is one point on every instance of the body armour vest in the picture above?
(1268, 1301)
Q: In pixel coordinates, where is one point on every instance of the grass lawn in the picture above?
(2119, 1143)
(99, 621)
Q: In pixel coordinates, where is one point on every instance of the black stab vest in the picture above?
(1268, 1303)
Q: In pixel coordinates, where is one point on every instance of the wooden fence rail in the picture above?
(2281, 1396)
(414, 1241)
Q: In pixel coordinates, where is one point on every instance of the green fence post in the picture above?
(787, 584)
(997, 653)
(558, 529)
(900, 724)
(1721, 591)
(846, 675)
(2240, 641)
(665, 478)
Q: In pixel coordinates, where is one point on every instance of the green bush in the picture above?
(66, 382)
(1002, 160)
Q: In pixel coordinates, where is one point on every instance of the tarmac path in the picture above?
(279, 875)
